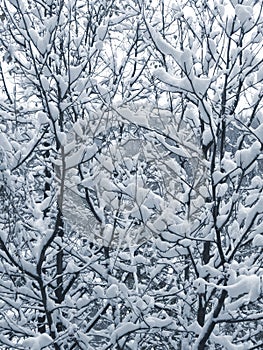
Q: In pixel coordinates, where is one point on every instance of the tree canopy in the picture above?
(131, 187)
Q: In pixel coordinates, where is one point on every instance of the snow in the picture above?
(45, 83)
(180, 151)
(3, 160)
(29, 267)
(75, 158)
(75, 72)
(207, 137)
(63, 84)
(155, 322)
(145, 213)
(159, 224)
(221, 220)
(245, 284)
(252, 198)
(112, 291)
(141, 305)
(33, 35)
(212, 47)
(163, 46)
(42, 118)
(225, 341)
(5, 143)
(40, 42)
(197, 86)
(69, 147)
(249, 285)
(178, 84)
(38, 342)
(99, 292)
(187, 59)
(206, 113)
(206, 270)
(200, 85)
(124, 328)
(102, 31)
(185, 242)
(137, 118)
(218, 176)
(243, 13)
(200, 285)
(227, 163)
(87, 182)
(53, 109)
(108, 164)
(222, 189)
(105, 184)
(258, 240)
(153, 201)
(43, 43)
(78, 129)
(51, 22)
(62, 137)
(259, 131)
(260, 74)
(251, 213)
(90, 151)
(71, 267)
(245, 157)
(104, 92)
(181, 229)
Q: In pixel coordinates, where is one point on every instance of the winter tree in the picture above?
(131, 174)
